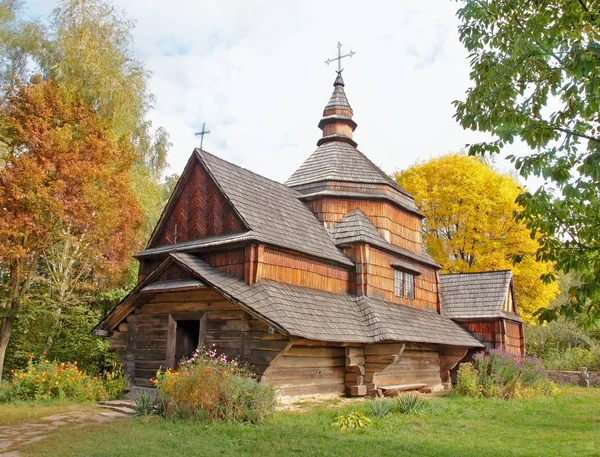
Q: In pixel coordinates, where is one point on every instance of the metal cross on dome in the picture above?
(340, 57)
(202, 133)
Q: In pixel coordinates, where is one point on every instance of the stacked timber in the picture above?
(355, 372)
(306, 369)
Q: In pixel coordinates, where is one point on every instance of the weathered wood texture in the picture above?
(397, 226)
(231, 262)
(229, 328)
(514, 341)
(488, 332)
(375, 278)
(498, 334)
(306, 370)
(289, 268)
(415, 363)
(201, 210)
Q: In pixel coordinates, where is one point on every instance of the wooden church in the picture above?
(322, 284)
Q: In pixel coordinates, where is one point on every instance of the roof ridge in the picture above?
(282, 185)
(477, 272)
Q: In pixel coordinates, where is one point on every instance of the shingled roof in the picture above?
(476, 295)
(325, 316)
(340, 161)
(272, 210)
(356, 227)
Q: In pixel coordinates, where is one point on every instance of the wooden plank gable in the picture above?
(197, 209)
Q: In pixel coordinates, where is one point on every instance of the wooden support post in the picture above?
(355, 369)
(171, 341)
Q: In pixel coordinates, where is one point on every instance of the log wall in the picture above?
(144, 344)
(388, 364)
(397, 226)
(308, 369)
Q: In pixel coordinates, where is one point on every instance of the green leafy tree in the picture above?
(535, 79)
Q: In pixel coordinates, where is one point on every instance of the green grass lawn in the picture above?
(565, 425)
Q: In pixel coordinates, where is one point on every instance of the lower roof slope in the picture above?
(325, 316)
(272, 212)
(476, 295)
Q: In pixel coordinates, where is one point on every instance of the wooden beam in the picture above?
(171, 341)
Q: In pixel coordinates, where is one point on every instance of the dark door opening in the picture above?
(186, 340)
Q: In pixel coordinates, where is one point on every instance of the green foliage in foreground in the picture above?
(560, 426)
(351, 420)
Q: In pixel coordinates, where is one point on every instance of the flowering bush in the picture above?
(502, 375)
(209, 386)
(44, 380)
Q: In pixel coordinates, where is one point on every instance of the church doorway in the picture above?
(187, 338)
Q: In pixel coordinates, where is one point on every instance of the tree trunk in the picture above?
(5, 332)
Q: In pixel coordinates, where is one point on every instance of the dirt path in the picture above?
(12, 437)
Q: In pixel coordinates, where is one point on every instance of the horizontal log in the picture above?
(308, 362)
(189, 296)
(354, 378)
(276, 373)
(266, 345)
(225, 314)
(222, 334)
(152, 335)
(263, 357)
(150, 364)
(152, 318)
(256, 335)
(198, 306)
(312, 390)
(222, 344)
(305, 351)
(301, 382)
(143, 382)
(383, 349)
(150, 354)
(152, 344)
(146, 373)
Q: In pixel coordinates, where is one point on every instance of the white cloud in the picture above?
(254, 72)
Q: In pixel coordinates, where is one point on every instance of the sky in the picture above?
(255, 72)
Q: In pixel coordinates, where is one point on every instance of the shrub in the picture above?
(379, 408)
(502, 375)
(115, 382)
(144, 404)
(562, 345)
(351, 420)
(44, 380)
(410, 404)
(209, 386)
(467, 380)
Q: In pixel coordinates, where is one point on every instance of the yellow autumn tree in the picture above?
(469, 225)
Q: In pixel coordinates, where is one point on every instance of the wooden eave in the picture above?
(137, 297)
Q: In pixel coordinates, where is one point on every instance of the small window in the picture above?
(398, 286)
(409, 285)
